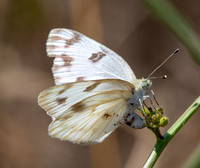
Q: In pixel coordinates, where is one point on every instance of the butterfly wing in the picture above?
(86, 112)
(79, 58)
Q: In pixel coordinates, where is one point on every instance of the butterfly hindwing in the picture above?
(93, 122)
(86, 112)
(79, 58)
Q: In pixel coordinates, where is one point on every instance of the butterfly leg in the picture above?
(135, 121)
(154, 97)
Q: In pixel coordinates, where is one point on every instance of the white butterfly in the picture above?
(95, 92)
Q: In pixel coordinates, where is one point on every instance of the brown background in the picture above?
(127, 28)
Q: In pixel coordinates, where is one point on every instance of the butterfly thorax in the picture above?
(145, 84)
(139, 93)
(140, 90)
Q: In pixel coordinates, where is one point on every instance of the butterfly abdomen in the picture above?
(134, 121)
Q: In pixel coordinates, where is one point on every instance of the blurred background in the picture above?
(127, 28)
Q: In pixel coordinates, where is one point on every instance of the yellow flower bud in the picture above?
(163, 121)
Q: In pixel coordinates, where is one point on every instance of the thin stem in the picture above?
(161, 143)
(165, 12)
(157, 133)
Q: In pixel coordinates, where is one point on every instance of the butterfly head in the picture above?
(146, 84)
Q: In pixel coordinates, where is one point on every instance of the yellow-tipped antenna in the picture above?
(162, 64)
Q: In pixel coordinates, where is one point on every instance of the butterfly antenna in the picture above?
(163, 63)
(158, 77)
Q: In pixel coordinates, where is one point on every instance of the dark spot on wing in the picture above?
(78, 107)
(56, 31)
(52, 55)
(80, 79)
(66, 117)
(66, 87)
(51, 47)
(61, 100)
(106, 115)
(96, 56)
(91, 87)
(61, 91)
(55, 38)
(75, 39)
(67, 60)
(55, 68)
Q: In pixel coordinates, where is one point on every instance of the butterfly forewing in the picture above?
(79, 58)
(86, 112)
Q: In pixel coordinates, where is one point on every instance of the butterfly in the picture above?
(96, 91)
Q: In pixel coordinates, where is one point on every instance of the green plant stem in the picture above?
(169, 16)
(161, 143)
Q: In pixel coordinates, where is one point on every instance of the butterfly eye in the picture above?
(146, 84)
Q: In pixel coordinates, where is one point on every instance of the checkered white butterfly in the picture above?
(95, 92)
